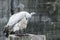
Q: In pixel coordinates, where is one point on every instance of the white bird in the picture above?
(16, 20)
(17, 17)
(20, 25)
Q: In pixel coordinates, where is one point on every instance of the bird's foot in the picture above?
(12, 32)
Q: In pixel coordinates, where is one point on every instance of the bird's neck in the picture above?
(31, 14)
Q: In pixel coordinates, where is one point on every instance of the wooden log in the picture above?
(26, 37)
(19, 37)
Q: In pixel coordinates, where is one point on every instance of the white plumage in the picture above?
(19, 20)
(17, 17)
(21, 25)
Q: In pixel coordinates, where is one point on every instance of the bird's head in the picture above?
(29, 15)
(32, 13)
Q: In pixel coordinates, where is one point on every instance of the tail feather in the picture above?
(6, 31)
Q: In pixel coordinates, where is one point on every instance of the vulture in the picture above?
(17, 21)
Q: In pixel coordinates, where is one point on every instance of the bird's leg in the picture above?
(21, 31)
(24, 31)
